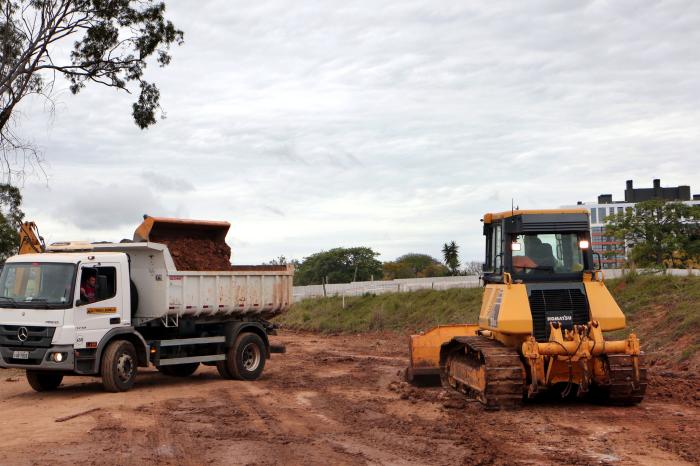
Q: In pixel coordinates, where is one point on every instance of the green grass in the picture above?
(409, 311)
(663, 311)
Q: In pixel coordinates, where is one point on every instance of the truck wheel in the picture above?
(44, 381)
(119, 365)
(179, 370)
(246, 358)
(222, 367)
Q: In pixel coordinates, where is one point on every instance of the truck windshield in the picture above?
(546, 254)
(36, 285)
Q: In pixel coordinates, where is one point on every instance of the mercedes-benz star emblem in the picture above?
(22, 334)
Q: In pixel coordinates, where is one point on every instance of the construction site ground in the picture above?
(335, 400)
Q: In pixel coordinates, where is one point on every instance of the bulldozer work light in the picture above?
(583, 244)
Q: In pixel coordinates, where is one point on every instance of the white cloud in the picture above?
(394, 125)
(163, 182)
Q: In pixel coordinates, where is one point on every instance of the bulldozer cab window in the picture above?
(497, 248)
(547, 253)
(494, 249)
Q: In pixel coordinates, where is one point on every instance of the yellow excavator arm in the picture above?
(30, 242)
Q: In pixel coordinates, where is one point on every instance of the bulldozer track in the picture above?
(623, 390)
(484, 370)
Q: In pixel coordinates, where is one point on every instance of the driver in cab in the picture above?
(537, 255)
(87, 289)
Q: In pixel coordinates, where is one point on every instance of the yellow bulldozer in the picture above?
(544, 311)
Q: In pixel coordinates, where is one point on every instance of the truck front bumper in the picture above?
(39, 358)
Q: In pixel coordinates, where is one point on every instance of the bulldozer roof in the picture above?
(490, 217)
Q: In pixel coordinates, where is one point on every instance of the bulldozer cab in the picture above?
(537, 245)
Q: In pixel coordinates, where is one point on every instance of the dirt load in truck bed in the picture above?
(195, 245)
(198, 254)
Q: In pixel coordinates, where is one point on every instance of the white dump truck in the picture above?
(140, 311)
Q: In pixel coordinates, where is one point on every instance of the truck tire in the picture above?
(178, 370)
(44, 381)
(246, 358)
(119, 365)
(222, 367)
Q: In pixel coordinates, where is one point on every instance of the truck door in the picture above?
(99, 306)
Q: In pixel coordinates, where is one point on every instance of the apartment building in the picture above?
(614, 252)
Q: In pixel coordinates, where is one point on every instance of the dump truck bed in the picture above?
(245, 291)
(248, 291)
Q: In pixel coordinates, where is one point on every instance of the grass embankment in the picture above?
(663, 311)
(408, 311)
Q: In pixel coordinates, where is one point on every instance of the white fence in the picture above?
(386, 286)
(434, 283)
(617, 273)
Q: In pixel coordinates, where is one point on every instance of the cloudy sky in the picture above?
(396, 125)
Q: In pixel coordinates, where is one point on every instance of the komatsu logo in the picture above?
(558, 318)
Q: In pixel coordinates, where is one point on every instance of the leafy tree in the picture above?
(11, 217)
(434, 270)
(394, 270)
(660, 233)
(338, 265)
(112, 41)
(414, 265)
(450, 254)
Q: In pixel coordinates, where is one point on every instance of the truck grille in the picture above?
(37, 337)
(566, 306)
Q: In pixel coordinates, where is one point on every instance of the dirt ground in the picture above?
(335, 400)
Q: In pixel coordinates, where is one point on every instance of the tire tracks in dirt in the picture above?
(335, 400)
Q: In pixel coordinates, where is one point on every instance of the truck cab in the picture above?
(51, 328)
(45, 321)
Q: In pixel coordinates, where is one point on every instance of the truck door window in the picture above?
(97, 283)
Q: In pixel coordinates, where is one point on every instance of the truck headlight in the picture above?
(58, 357)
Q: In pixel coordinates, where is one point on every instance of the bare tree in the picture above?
(473, 268)
(112, 40)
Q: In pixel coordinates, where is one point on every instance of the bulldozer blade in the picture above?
(157, 229)
(424, 351)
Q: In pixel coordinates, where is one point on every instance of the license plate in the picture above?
(20, 355)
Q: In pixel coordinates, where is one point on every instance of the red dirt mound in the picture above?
(196, 254)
